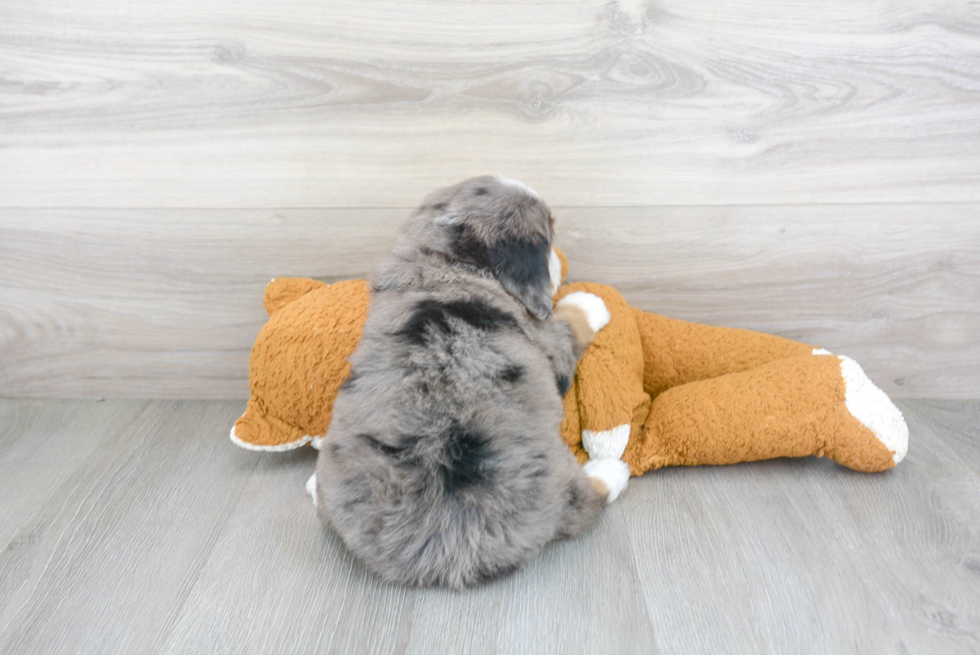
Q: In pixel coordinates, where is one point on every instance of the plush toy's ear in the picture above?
(300, 360)
(283, 290)
(564, 263)
(521, 265)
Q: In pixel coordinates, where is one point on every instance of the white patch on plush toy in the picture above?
(821, 351)
(311, 488)
(518, 184)
(554, 271)
(872, 407)
(614, 473)
(606, 443)
(595, 309)
(317, 442)
(302, 441)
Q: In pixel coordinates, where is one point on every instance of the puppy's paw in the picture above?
(591, 305)
(614, 474)
(311, 488)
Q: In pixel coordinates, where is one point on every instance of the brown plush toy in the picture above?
(650, 390)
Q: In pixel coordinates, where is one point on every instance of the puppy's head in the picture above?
(498, 225)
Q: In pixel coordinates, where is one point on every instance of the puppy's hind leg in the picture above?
(599, 482)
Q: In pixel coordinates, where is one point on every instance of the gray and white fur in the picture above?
(443, 464)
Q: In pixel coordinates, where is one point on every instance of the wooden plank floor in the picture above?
(136, 526)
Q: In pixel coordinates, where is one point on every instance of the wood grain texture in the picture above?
(102, 565)
(593, 102)
(802, 556)
(162, 537)
(32, 468)
(279, 582)
(167, 303)
(161, 303)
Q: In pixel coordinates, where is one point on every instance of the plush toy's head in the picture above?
(299, 361)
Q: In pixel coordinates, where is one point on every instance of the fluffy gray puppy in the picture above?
(443, 464)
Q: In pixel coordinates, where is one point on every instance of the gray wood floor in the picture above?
(136, 527)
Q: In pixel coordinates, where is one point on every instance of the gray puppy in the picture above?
(443, 464)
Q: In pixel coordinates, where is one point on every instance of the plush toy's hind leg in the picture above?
(677, 352)
(809, 405)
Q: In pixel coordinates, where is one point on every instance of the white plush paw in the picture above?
(606, 443)
(594, 307)
(874, 409)
(614, 473)
(311, 488)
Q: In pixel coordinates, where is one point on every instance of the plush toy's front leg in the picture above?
(606, 403)
(808, 405)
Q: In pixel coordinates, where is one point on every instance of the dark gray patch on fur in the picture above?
(469, 459)
(350, 381)
(467, 248)
(521, 265)
(428, 317)
(480, 315)
(512, 373)
(433, 316)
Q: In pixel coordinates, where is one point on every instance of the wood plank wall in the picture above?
(812, 171)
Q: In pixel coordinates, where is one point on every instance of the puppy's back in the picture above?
(442, 465)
